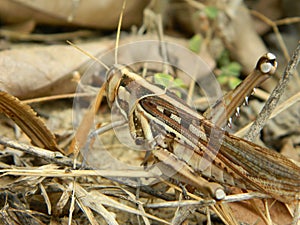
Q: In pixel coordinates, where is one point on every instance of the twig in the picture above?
(274, 97)
(280, 108)
(45, 37)
(277, 34)
(288, 20)
(275, 29)
(202, 203)
(76, 173)
(55, 157)
(296, 219)
(55, 97)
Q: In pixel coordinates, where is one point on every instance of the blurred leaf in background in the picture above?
(230, 71)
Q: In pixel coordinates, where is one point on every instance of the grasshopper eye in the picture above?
(113, 79)
(267, 64)
(115, 69)
(116, 76)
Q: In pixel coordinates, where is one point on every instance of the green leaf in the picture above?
(179, 83)
(229, 70)
(223, 59)
(178, 93)
(211, 12)
(234, 68)
(223, 79)
(233, 82)
(169, 82)
(195, 43)
(163, 79)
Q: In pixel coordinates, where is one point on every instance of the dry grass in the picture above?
(42, 186)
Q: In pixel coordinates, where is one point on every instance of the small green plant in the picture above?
(168, 81)
(195, 43)
(230, 71)
(211, 12)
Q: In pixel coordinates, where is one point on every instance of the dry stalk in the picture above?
(283, 106)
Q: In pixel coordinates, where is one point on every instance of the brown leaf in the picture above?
(27, 120)
(92, 13)
(245, 213)
(49, 68)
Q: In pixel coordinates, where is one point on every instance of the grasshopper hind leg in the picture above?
(176, 169)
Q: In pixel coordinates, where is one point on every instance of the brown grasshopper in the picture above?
(191, 148)
(182, 138)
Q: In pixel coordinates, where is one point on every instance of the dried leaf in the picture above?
(245, 213)
(89, 214)
(27, 120)
(93, 198)
(49, 68)
(93, 13)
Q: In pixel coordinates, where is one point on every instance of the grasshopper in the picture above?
(190, 147)
(181, 138)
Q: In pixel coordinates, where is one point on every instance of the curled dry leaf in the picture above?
(91, 13)
(27, 120)
(48, 68)
(246, 213)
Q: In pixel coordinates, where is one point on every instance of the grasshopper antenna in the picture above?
(119, 31)
(117, 42)
(88, 54)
